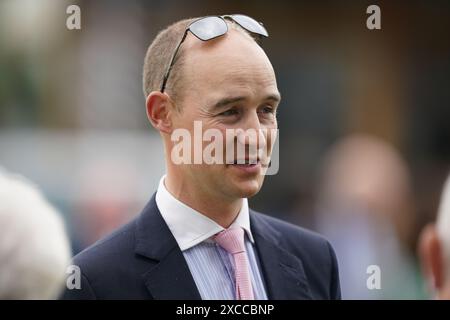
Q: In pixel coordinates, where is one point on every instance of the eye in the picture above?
(229, 112)
(267, 110)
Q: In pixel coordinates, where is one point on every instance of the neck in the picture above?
(222, 211)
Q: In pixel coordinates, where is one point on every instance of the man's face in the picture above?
(230, 85)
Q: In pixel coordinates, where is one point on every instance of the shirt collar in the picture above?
(190, 227)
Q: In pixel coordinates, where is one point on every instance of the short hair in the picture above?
(34, 247)
(160, 52)
(158, 58)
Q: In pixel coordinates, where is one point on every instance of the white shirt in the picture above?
(190, 227)
(212, 267)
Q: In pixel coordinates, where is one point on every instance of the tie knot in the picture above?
(231, 239)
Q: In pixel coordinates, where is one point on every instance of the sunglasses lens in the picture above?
(250, 24)
(208, 28)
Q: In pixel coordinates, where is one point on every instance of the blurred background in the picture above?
(364, 121)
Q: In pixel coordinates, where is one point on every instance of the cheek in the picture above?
(272, 124)
(183, 120)
(271, 136)
(187, 114)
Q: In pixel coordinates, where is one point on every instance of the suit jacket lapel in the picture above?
(283, 272)
(169, 276)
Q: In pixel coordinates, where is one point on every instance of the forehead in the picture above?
(229, 63)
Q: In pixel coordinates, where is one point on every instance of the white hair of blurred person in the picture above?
(443, 225)
(34, 247)
(434, 248)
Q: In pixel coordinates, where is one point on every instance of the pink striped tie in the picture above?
(232, 240)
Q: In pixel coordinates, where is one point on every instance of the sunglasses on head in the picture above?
(211, 27)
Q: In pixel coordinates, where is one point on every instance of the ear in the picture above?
(159, 111)
(430, 253)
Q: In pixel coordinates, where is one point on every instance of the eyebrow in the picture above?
(230, 100)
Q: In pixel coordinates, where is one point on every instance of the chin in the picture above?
(247, 189)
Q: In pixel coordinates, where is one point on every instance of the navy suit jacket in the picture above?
(142, 260)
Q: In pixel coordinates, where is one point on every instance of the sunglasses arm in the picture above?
(172, 61)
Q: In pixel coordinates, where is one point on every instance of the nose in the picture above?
(252, 134)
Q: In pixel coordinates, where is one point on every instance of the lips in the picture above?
(247, 166)
(246, 161)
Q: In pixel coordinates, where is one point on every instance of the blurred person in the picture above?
(105, 199)
(34, 247)
(365, 210)
(197, 237)
(434, 249)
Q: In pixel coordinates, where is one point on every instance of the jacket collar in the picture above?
(283, 272)
(169, 276)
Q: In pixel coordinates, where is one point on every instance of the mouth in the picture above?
(246, 161)
(249, 166)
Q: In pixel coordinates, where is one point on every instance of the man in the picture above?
(197, 238)
(434, 249)
(34, 246)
